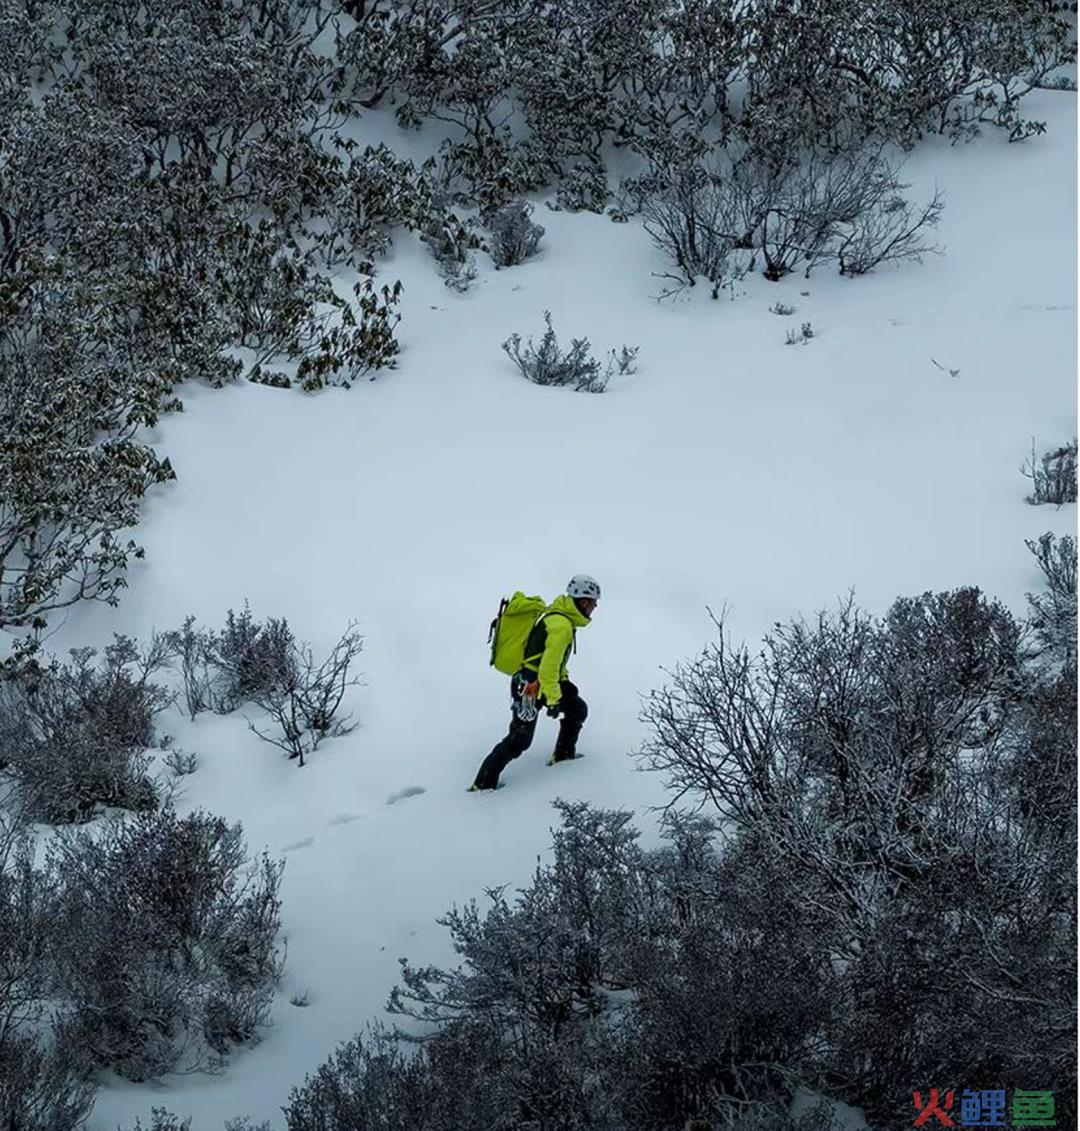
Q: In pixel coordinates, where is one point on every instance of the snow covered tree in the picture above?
(879, 765)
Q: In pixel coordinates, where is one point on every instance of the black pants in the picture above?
(519, 737)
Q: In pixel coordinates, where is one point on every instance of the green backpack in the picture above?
(510, 630)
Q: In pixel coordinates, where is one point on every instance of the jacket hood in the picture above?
(564, 603)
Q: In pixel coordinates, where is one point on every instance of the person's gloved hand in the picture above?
(554, 710)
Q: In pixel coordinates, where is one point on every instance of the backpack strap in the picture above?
(573, 629)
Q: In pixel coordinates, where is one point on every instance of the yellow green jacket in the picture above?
(547, 651)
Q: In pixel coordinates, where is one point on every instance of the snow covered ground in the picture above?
(730, 469)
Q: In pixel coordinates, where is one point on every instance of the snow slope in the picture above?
(730, 469)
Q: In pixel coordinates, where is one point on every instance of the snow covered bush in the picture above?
(488, 172)
(819, 206)
(304, 698)
(75, 736)
(897, 76)
(514, 236)
(361, 342)
(380, 192)
(621, 989)
(254, 657)
(41, 1088)
(579, 77)
(245, 659)
(583, 188)
(877, 768)
(451, 243)
(546, 364)
(1053, 475)
(163, 1120)
(995, 55)
(1053, 612)
(165, 951)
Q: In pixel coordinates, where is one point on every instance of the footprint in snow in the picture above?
(345, 818)
(307, 842)
(408, 791)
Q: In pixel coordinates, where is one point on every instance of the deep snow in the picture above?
(731, 469)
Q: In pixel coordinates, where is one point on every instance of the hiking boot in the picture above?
(559, 757)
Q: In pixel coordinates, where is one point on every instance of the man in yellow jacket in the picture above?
(542, 681)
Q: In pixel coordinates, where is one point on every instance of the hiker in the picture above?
(542, 681)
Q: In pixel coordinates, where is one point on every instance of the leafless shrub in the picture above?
(195, 649)
(1053, 475)
(623, 988)
(163, 1120)
(819, 205)
(692, 217)
(882, 770)
(181, 763)
(41, 1086)
(305, 704)
(890, 230)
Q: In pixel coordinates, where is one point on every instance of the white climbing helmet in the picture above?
(582, 585)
